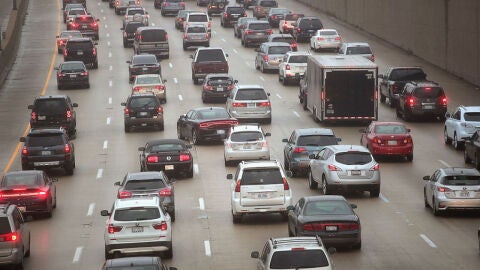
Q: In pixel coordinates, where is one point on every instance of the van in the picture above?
(152, 40)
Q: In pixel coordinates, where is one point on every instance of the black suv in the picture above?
(48, 148)
(54, 111)
(216, 6)
(306, 27)
(231, 15)
(87, 25)
(142, 110)
(424, 98)
(81, 49)
(15, 235)
(143, 64)
(128, 32)
(72, 73)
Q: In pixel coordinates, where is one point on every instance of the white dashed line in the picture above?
(99, 173)
(428, 241)
(170, 65)
(278, 95)
(108, 34)
(153, 24)
(101, 10)
(91, 207)
(384, 198)
(104, 18)
(109, 54)
(110, 68)
(110, 100)
(261, 78)
(78, 253)
(235, 51)
(195, 168)
(223, 40)
(296, 114)
(180, 97)
(99, 3)
(108, 43)
(106, 26)
(201, 203)
(105, 144)
(175, 80)
(110, 83)
(109, 120)
(444, 163)
(208, 252)
(246, 63)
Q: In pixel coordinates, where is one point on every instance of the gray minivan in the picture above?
(152, 40)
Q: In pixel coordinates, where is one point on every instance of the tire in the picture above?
(268, 121)
(26, 167)
(59, 87)
(108, 256)
(397, 113)
(286, 165)
(374, 193)
(95, 65)
(195, 139)
(87, 86)
(290, 234)
(305, 104)
(284, 81)
(190, 173)
(262, 68)
(425, 203)
(383, 98)
(69, 168)
(236, 218)
(357, 246)
(466, 158)
(325, 189)
(169, 253)
(410, 157)
(195, 81)
(456, 144)
(126, 128)
(446, 139)
(312, 184)
(172, 216)
(435, 210)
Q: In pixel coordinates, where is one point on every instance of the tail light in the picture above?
(124, 194)
(407, 140)
(376, 140)
(166, 36)
(333, 168)
(225, 14)
(264, 104)
(152, 159)
(33, 116)
(94, 52)
(411, 101)
(140, 36)
(265, 57)
(443, 100)
(245, 14)
(42, 193)
(274, 16)
(65, 52)
(443, 189)
(285, 184)
(376, 167)
(66, 149)
(207, 35)
(160, 110)
(85, 73)
(287, 67)
(323, 226)
(137, 88)
(294, 45)
(248, 32)
(319, 38)
(338, 38)
(61, 42)
(160, 226)
(237, 186)
(184, 157)
(94, 24)
(126, 111)
(185, 36)
(114, 229)
(372, 58)
(299, 150)
(208, 87)
(182, 4)
(394, 88)
(269, 31)
(68, 114)
(10, 237)
(165, 192)
(160, 87)
(239, 104)
(24, 151)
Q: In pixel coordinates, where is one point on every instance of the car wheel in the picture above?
(312, 184)
(262, 68)
(446, 139)
(305, 103)
(195, 138)
(383, 98)
(325, 189)
(456, 144)
(236, 218)
(284, 81)
(374, 193)
(59, 87)
(19, 265)
(27, 254)
(435, 210)
(87, 86)
(69, 169)
(286, 165)
(190, 173)
(227, 162)
(466, 158)
(195, 81)
(169, 253)
(425, 202)
(126, 128)
(410, 157)
(357, 246)
(172, 215)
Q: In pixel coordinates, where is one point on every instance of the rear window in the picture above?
(72, 67)
(211, 56)
(328, 33)
(262, 176)
(293, 17)
(298, 259)
(82, 19)
(44, 140)
(429, 92)
(407, 75)
(246, 136)
(148, 80)
(141, 267)
(259, 26)
(167, 147)
(359, 50)
(198, 18)
(311, 23)
(79, 45)
(144, 184)
(137, 213)
(327, 208)
(143, 102)
(212, 114)
(283, 39)
(353, 158)
(279, 49)
(298, 59)
(70, 34)
(235, 10)
(153, 35)
(268, 3)
(196, 29)
(472, 116)
(462, 180)
(15, 180)
(77, 11)
(4, 225)
(174, 1)
(50, 106)
(143, 59)
(136, 11)
(390, 129)
(251, 94)
(219, 81)
(317, 140)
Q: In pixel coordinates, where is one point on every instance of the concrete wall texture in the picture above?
(445, 33)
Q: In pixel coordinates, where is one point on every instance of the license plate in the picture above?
(220, 131)
(145, 69)
(331, 228)
(356, 172)
(41, 117)
(169, 167)
(392, 142)
(247, 147)
(143, 113)
(46, 153)
(84, 26)
(464, 194)
(137, 229)
(428, 107)
(73, 76)
(250, 105)
(219, 89)
(80, 53)
(262, 195)
(22, 208)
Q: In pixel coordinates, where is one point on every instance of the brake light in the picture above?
(84, 73)
(160, 226)
(285, 184)
(94, 51)
(10, 237)
(165, 192)
(184, 157)
(42, 194)
(411, 101)
(299, 30)
(287, 67)
(297, 249)
(239, 104)
(375, 167)
(124, 194)
(294, 45)
(33, 116)
(113, 229)
(248, 32)
(407, 140)
(208, 87)
(140, 36)
(338, 38)
(323, 226)
(152, 159)
(94, 24)
(245, 14)
(160, 110)
(299, 150)
(274, 16)
(443, 101)
(443, 189)
(225, 14)
(160, 87)
(127, 111)
(66, 149)
(237, 186)
(25, 151)
(69, 114)
(333, 168)
(137, 88)
(372, 58)
(61, 42)
(376, 140)
(319, 38)
(166, 36)
(264, 104)
(265, 58)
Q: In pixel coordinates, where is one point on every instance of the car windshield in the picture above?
(144, 184)
(472, 116)
(142, 60)
(407, 74)
(390, 129)
(461, 180)
(197, 18)
(328, 33)
(140, 267)
(136, 213)
(148, 80)
(136, 11)
(353, 158)
(298, 59)
(251, 94)
(429, 92)
(153, 35)
(299, 259)
(44, 140)
(50, 106)
(246, 136)
(235, 10)
(71, 34)
(321, 207)
(4, 225)
(359, 50)
(317, 140)
(23, 179)
(259, 26)
(167, 147)
(196, 29)
(143, 102)
(262, 176)
(212, 114)
(72, 67)
(279, 49)
(211, 55)
(219, 81)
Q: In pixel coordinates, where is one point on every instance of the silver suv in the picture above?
(136, 226)
(15, 235)
(294, 253)
(461, 124)
(259, 187)
(250, 102)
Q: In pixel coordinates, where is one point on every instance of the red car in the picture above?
(388, 139)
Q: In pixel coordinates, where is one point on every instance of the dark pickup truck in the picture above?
(206, 61)
(393, 80)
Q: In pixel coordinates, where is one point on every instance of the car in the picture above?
(452, 188)
(307, 252)
(255, 33)
(202, 3)
(32, 191)
(151, 40)
(122, 5)
(275, 15)
(461, 123)
(305, 27)
(170, 6)
(392, 81)
(344, 167)
(250, 103)
(388, 139)
(326, 39)
(422, 99)
(137, 226)
(143, 110)
(81, 49)
(270, 54)
(128, 33)
(54, 111)
(262, 7)
(216, 6)
(86, 24)
(151, 183)
(15, 234)
(72, 13)
(293, 66)
(64, 37)
(246, 142)
(302, 143)
(136, 13)
(331, 217)
(259, 187)
(471, 152)
(68, 7)
(249, 3)
(241, 23)
(205, 124)
(196, 35)
(357, 48)
(284, 38)
(134, 263)
(287, 25)
(143, 64)
(198, 18)
(172, 156)
(208, 61)
(47, 148)
(72, 73)
(217, 86)
(152, 83)
(231, 15)
(180, 18)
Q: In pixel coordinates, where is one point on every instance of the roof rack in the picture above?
(293, 240)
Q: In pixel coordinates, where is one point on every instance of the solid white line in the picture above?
(105, 144)
(208, 252)
(110, 68)
(261, 78)
(195, 168)
(384, 198)
(222, 39)
(180, 97)
(99, 173)
(175, 80)
(444, 163)
(78, 253)
(235, 51)
(429, 242)
(201, 203)
(91, 207)
(110, 54)
(109, 120)
(278, 95)
(108, 34)
(110, 100)
(110, 83)
(296, 114)
(170, 65)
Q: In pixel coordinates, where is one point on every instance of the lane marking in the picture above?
(108, 43)
(153, 24)
(208, 251)
(222, 39)
(235, 51)
(99, 173)
(109, 54)
(109, 120)
(444, 163)
(110, 68)
(195, 168)
(201, 203)
(175, 80)
(105, 144)
(106, 26)
(383, 198)
(296, 114)
(278, 95)
(428, 241)
(261, 78)
(180, 97)
(104, 18)
(108, 34)
(170, 65)
(91, 207)
(110, 83)
(78, 253)
(110, 100)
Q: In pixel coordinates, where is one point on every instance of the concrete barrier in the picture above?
(445, 33)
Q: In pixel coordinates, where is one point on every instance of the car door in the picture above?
(452, 122)
(289, 147)
(430, 187)
(22, 228)
(293, 215)
(316, 164)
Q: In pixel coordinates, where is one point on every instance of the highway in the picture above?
(397, 231)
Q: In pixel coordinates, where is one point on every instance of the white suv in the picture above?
(246, 142)
(260, 187)
(461, 124)
(137, 225)
(294, 253)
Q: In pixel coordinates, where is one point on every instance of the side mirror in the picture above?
(268, 94)
(123, 104)
(235, 81)
(285, 140)
(75, 105)
(267, 134)
(22, 139)
(189, 146)
(183, 116)
(290, 207)
(116, 183)
(97, 20)
(255, 254)
(229, 176)
(331, 250)
(426, 177)
(312, 156)
(104, 213)
(141, 148)
(30, 107)
(354, 206)
(448, 115)
(339, 139)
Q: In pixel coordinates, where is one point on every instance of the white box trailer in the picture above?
(342, 88)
